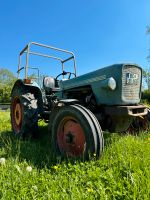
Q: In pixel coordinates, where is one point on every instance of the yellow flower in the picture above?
(148, 138)
(89, 189)
(55, 167)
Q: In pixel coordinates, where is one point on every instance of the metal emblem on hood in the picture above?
(132, 79)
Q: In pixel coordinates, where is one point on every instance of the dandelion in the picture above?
(94, 154)
(90, 190)
(148, 138)
(29, 169)
(2, 161)
(55, 167)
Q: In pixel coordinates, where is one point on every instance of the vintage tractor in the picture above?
(78, 108)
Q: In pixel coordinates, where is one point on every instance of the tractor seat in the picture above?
(50, 84)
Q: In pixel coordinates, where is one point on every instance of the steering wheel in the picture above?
(65, 73)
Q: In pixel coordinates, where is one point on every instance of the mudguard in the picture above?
(34, 88)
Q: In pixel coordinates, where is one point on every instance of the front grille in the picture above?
(131, 82)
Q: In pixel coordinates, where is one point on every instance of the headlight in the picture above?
(111, 83)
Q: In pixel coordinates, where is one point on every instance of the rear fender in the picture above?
(34, 89)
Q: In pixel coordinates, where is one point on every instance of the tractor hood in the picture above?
(118, 84)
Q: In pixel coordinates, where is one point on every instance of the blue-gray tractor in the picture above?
(77, 108)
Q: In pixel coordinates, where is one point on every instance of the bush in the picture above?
(5, 92)
(7, 80)
(146, 96)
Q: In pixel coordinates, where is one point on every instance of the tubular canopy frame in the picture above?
(27, 51)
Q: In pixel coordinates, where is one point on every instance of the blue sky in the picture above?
(100, 32)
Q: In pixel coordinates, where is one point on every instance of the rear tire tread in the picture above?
(29, 126)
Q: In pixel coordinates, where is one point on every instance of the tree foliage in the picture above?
(7, 80)
(148, 29)
(146, 73)
(146, 77)
(148, 32)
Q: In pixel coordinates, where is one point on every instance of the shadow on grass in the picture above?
(34, 151)
(110, 138)
(38, 151)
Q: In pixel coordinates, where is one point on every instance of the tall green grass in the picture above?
(123, 172)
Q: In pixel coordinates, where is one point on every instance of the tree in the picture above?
(146, 73)
(148, 29)
(146, 77)
(148, 32)
(7, 80)
(6, 76)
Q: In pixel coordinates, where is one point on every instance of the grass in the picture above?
(123, 172)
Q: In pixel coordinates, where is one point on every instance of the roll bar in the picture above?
(27, 51)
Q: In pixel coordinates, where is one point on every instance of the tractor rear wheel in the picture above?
(76, 133)
(24, 113)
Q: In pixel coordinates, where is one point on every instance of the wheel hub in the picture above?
(17, 114)
(70, 137)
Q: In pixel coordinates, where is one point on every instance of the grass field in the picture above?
(28, 172)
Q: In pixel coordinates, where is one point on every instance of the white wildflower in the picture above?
(2, 161)
(29, 169)
(35, 188)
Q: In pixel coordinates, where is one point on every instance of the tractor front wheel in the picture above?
(76, 133)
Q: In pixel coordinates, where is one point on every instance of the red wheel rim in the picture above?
(71, 137)
(16, 114)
